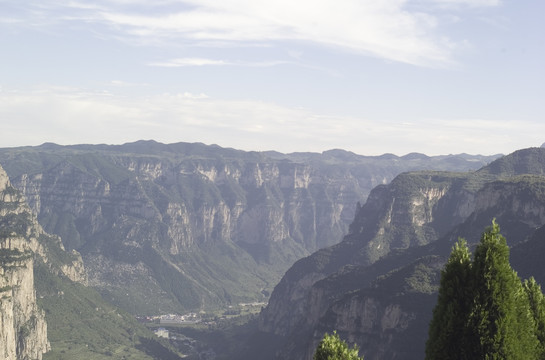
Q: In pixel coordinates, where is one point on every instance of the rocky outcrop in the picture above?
(221, 224)
(387, 320)
(23, 329)
(412, 211)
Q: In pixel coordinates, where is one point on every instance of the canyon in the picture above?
(177, 227)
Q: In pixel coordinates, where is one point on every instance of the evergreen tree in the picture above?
(448, 326)
(484, 311)
(500, 318)
(331, 347)
(537, 307)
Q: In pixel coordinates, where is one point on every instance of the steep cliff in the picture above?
(415, 209)
(382, 300)
(23, 246)
(46, 309)
(23, 330)
(190, 226)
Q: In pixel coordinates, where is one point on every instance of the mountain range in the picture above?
(92, 235)
(181, 227)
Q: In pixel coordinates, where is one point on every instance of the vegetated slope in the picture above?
(168, 228)
(84, 326)
(45, 306)
(378, 286)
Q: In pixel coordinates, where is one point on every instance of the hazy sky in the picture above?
(369, 76)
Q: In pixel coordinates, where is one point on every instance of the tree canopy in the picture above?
(331, 347)
(484, 310)
(448, 327)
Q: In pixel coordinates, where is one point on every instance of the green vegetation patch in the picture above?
(484, 310)
(81, 325)
(15, 223)
(8, 256)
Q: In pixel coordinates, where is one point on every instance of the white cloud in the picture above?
(188, 62)
(183, 62)
(386, 29)
(469, 3)
(383, 29)
(10, 21)
(69, 116)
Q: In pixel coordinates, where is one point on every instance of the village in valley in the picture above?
(182, 330)
(200, 319)
(172, 319)
(203, 318)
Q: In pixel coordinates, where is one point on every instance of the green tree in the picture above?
(537, 307)
(483, 310)
(500, 320)
(447, 338)
(331, 347)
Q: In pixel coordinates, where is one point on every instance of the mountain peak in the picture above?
(525, 161)
(415, 156)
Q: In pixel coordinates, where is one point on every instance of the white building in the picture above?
(161, 332)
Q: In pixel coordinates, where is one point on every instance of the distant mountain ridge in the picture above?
(377, 287)
(193, 226)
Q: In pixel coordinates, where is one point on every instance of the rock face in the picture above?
(166, 228)
(377, 287)
(415, 209)
(23, 329)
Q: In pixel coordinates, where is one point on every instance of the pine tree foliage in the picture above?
(537, 307)
(484, 311)
(453, 307)
(501, 313)
(331, 347)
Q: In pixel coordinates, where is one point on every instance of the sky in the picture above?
(368, 76)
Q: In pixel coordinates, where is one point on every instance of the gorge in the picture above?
(158, 228)
(175, 227)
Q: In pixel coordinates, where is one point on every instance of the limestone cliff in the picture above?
(415, 209)
(389, 319)
(23, 330)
